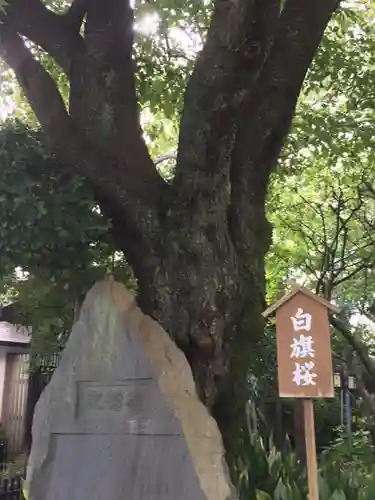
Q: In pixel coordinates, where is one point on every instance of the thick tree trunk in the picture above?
(210, 300)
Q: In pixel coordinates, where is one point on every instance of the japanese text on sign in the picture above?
(304, 359)
(302, 349)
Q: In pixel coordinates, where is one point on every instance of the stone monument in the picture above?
(120, 419)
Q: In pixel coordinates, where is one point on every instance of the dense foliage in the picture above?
(346, 471)
(50, 226)
(321, 202)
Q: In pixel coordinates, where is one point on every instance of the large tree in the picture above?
(196, 243)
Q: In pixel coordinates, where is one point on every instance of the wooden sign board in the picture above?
(304, 356)
(304, 360)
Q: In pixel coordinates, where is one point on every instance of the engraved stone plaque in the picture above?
(120, 419)
(119, 407)
(98, 398)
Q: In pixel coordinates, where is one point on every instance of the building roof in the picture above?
(14, 334)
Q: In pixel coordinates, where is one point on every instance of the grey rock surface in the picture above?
(120, 419)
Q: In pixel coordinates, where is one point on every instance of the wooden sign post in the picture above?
(304, 360)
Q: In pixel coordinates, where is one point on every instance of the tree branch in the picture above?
(50, 31)
(355, 343)
(103, 99)
(69, 144)
(306, 235)
(355, 271)
(76, 14)
(332, 251)
(47, 103)
(267, 113)
(341, 260)
(237, 43)
(265, 116)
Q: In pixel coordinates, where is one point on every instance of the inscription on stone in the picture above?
(104, 399)
(122, 396)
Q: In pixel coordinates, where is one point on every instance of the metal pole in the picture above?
(342, 405)
(348, 410)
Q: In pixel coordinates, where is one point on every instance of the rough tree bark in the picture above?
(197, 246)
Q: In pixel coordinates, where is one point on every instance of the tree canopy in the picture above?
(213, 87)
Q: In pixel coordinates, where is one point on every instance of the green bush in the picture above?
(350, 451)
(348, 466)
(346, 470)
(262, 472)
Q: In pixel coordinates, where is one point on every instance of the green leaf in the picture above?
(324, 490)
(262, 495)
(24, 490)
(338, 495)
